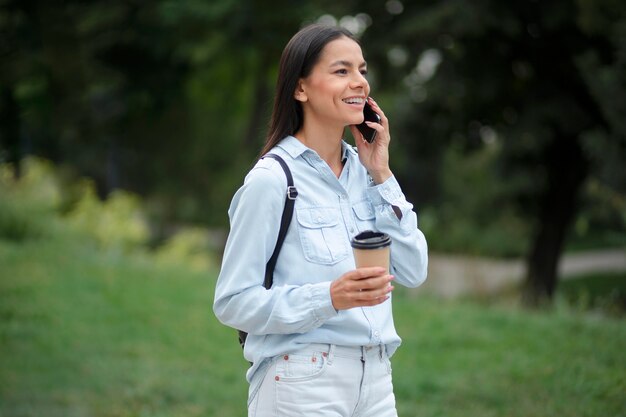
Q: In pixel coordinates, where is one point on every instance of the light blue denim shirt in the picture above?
(297, 310)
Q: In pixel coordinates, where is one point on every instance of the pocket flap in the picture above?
(364, 210)
(315, 218)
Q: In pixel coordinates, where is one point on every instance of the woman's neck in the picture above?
(324, 140)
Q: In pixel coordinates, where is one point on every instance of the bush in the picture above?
(189, 246)
(601, 222)
(28, 204)
(476, 215)
(117, 223)
(31, 205)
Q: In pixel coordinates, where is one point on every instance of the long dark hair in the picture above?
(298, 59)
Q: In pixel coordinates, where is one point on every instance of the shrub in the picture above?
(117, 223)
(190, 246)
(476, 215)
(28, 204)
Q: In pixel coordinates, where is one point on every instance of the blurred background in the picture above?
(126, 126)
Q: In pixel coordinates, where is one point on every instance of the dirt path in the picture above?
(452, 276)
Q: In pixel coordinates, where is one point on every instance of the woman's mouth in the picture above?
(354, 100)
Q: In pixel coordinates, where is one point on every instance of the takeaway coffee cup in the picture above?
(371, 249)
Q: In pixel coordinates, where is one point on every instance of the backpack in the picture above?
(285, 220)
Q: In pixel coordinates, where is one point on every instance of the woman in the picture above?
(320, 338)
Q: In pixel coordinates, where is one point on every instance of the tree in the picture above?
(166, 98)
(532, 75)
(169, 99)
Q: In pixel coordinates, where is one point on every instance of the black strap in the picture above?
(285, 221)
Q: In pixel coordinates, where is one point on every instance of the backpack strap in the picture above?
(285, 221)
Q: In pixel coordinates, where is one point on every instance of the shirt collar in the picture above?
(347, 151)
(292, 146)
(295, 148)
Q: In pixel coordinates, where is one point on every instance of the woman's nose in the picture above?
(358, 80)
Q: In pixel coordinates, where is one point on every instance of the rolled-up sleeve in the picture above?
(395, 216)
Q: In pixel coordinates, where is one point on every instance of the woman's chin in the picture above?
(356, 121)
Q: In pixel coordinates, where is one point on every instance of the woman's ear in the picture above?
(299, 94)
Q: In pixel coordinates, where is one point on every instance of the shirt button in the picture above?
(319, 220)
(377, 333)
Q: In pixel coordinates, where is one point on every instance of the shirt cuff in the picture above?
(388, 192)
(323, 309)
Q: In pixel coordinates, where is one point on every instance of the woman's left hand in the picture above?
(375, 156)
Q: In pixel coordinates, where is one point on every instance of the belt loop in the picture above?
(331, 354)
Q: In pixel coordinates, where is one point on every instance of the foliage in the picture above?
(28, 204)
(168, 99)
(602, 220)
(45, 202)
(149, 97)
(116, 223)
(84, 332)
(190, 247)
(476, 215)
(530, 76)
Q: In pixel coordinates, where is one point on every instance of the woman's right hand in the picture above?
(361, 287)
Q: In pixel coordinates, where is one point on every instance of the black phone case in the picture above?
(368, 133)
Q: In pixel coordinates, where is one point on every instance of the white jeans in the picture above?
(326, 380)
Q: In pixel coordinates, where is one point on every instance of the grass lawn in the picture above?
(84, 333)
(605, 291)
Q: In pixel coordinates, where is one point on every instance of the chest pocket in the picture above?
(365, 216)
(322, 235)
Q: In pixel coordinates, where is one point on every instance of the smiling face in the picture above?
(335, 91)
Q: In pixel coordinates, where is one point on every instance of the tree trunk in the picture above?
(10, 129)
(566, 169)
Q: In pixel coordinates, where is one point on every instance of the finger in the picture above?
(368, 272)
(364, 297)
(382, 131)
(374, 283)
(375, 302)
(376, 107)
(372, 301)
(376, 126)
(381, 291)
(383, 118)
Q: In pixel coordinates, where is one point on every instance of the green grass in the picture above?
(84, 333)
(467, 359)
(598, 291)
(88, 334)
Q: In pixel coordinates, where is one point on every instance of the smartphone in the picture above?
(368, 133)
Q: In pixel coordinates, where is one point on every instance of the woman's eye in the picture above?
(342, 71)
(364, 72)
